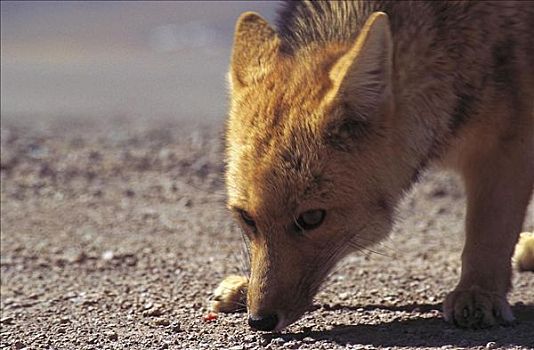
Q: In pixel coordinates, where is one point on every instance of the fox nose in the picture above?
(263, 322)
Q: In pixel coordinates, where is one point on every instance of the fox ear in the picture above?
(256, 45)
(362, 77)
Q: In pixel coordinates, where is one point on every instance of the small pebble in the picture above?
(306, 329)
(162, 322)
(6, 320)
(250, 338)
(107, 255)
(278, 341)
(236, 347)
(176, 327)
(19, 345)
(153, 310)
(112, 335)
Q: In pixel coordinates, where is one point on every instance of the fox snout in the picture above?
(266, 322)
(273, 293)
(274, 309)
(283, 281)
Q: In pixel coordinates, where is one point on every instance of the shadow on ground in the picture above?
(427, 332)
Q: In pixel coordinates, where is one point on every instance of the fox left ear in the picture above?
(361, 78)
(256, 46)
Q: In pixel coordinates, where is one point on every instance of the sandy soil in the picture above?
(115, 232)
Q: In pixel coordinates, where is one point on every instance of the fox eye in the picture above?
(247, 219)
(310, 219)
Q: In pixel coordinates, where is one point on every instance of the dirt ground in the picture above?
(113, 234)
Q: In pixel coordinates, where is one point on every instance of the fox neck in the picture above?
(416, 141)
(420, 129)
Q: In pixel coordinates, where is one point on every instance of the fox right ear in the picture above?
(362, 77)
(256, 46)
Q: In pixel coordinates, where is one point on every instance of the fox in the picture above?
(334, 114)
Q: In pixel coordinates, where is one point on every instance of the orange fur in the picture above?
(346, 125)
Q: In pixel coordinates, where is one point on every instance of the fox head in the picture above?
(309, 158)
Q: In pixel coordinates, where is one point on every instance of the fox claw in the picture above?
(475, 308)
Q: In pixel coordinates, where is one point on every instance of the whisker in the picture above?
(237, 257)
(374, 242)
(365, 249)
(245, 251)
(335, 252)
(236, 303)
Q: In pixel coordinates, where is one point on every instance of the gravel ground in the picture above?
(115, 232)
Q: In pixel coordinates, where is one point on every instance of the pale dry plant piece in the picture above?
(523, 259)
(230, 295)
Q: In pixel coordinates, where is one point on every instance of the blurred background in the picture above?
(152, 59)
(113, 222)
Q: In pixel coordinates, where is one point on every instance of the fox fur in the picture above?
(343, 105)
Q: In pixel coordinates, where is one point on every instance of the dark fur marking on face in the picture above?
(276, 117)
(290, 160)
(341, 136)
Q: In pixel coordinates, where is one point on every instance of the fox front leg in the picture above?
(230, 295)
(498, 184)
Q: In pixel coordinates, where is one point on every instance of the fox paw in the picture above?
(230, 295)
(476, 308)
(524, 252)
